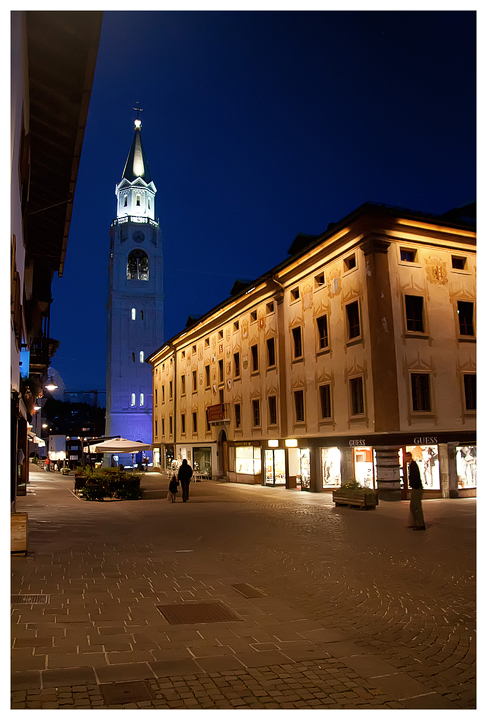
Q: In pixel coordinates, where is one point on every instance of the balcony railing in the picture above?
(217, 414)
(134, 219)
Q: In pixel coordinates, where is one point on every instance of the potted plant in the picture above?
(354, 494)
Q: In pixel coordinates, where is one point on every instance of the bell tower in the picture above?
(135, 300)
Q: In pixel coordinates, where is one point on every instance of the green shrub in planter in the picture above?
(93, 491)
(352, 487)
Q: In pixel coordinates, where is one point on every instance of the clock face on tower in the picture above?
(138, 236)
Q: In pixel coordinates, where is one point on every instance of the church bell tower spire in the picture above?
(135, 299)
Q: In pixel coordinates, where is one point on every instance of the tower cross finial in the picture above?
(138, 110)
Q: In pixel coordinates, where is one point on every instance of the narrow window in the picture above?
(420, 388)
(133, 357)
(236, 325)
(319, 280)
(170, 389)
(322, 325)
(356, 396)
(193, 349)
(183, 424)
(125, 201)
(299, 405)
(163, 388)
(458, 263)
(237, 415)
(269, 308)
(414, 313)
(207, 342)
(470, 385)
(195, 422)
(138, 201)
(350, 262)
(141, 356)
(325, 401)
(255, 358)
(256, 412)
(141, 314)
(236, 364)
(133, 314)
(155, 422)
(132, 400)
(353, 322)
(141, 400)
(156, 395)
(272, 410)
(465, 317)
(207, 376)
(297, 344)
(253, 316)
(163, 428)
(221, 393)
(294, 294)
(170, 424)
(195, 381)
(183, 384)
(220, 371)
(408, 255)
(271, 352)
(148, 203)
(220, 334)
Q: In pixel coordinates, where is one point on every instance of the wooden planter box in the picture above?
(19, 532)
(364, 501)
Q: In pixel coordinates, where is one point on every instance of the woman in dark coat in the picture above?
(184, 476)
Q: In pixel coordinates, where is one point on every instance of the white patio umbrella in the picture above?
(120, 445)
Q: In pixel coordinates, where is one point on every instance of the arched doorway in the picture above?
(222, 453)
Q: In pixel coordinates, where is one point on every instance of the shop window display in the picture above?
(304, 462)
(248, 460)
(427, 458)
(330, 463)
(364, 466)
(275, 467)
(466, 457)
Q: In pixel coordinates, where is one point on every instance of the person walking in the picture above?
(173, 488)
(416, 486)
(185, 474)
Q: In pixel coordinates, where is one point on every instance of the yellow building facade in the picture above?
(358, 347)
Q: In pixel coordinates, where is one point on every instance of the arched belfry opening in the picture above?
(137, 265)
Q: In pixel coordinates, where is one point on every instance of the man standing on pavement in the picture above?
(184, 476)
(416, 487)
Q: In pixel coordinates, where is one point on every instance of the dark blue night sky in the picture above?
(257, 126)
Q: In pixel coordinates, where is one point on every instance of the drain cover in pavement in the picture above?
(30, 599)
(248, 591)
(197, 613)
(125, 692)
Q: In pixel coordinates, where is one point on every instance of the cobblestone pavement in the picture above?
(334, 608)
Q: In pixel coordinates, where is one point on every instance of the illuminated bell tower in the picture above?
(135, 300)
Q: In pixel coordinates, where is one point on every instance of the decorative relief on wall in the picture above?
(262, 321)
(436, 270)
(245, 329)
(334, 283)
(307, 296)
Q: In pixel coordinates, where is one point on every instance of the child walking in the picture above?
(173, 488)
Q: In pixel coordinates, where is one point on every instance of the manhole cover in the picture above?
(126, 692)
(248, 591)
(30, 599)
(197, 613)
